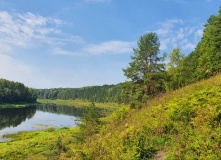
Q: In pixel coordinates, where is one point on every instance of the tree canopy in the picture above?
(145, 59)
(14, 92)
(105, 93)
(145, 70)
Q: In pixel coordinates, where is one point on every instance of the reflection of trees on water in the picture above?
(60, 109)
(12, 117)
(68, 110)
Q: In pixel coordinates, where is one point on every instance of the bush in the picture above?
(90, 123)
(121, 114)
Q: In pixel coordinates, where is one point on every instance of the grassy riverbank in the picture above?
(75, 103)
(44, 144)
(78, 103)
(18, 105)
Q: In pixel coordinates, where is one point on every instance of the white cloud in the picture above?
(199, 33)
(61, 51)
(162, 31)
(5, 48)
(164, 43)
(112, 47)
(189, 46)
(167, 26)
(109, 47)
(16, 70)
(176, 32)
(13, 69)
(30, 30)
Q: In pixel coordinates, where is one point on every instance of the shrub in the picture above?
(121, 114)
(90, 123)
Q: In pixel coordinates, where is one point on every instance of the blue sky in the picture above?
(76, 43)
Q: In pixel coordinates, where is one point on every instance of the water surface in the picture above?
(13, 120)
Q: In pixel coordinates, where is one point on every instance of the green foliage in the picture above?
(133, 93)
(15, 92)
(202, 63)
(205, 61)
(145, 71)
(90, 123)
(183, 124)
(105, 93)
(175, 58)
(121, 114)
(46, 144)
(12, 117)
(145, 59)
(176, 75)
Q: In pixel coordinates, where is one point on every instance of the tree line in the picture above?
(105, 93)
(15, 92)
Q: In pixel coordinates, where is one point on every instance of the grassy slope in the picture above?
(184, 124)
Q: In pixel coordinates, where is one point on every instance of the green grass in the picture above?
(17, 105)
(78, 103)
(45, 144)
(183, 124)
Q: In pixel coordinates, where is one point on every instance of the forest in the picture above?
(105, 93)
(15, 92)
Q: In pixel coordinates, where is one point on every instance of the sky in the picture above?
(77, 43)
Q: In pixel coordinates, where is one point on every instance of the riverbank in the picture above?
(78, 103)
(18, 105)
(75, 103)
(44, 144)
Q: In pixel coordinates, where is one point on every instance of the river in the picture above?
(14, 120)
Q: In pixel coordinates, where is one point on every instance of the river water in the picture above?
(14, 120)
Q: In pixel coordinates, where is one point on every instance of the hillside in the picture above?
(182, 124)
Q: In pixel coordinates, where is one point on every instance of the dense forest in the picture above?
(15, 92)
(105, 93)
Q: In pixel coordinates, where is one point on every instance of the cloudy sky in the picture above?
(76, 43)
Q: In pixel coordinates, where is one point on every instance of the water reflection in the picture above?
(60, 109)
(12, 117)
(13, 120)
